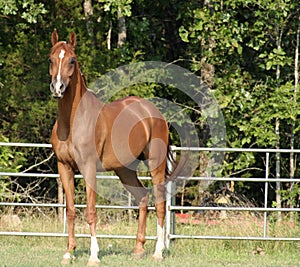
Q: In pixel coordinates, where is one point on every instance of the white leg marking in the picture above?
(94, 249)
(67, 256)
(160, 244)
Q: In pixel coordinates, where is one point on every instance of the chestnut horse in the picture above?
(91, 136)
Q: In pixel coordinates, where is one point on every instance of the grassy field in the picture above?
(41, 251)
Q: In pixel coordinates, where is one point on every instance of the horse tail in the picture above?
(175, 168)
(171, 163)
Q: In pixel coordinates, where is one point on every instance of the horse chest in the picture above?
(64, 153)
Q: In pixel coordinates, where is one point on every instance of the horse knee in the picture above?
(160, 208)
(140, 237)
(159, 193)
(91, 216)
(71, 213)
(143, 202)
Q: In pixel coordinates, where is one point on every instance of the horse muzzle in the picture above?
(57, 88)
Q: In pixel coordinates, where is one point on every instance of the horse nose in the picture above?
(57, 88)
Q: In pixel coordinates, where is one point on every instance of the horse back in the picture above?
(130, 125)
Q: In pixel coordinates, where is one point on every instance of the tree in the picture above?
(245, 50)
(247, 43)
(10, 161)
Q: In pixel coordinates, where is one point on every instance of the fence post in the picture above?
(170, 199)
(60, 197)
(65, 215)
(169, 214)
(266, 194)
(129, 210)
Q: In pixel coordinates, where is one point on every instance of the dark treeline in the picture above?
(246, 51)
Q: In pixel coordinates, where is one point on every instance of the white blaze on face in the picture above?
(58, 78)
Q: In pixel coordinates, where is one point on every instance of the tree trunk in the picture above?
(277, 132)
(183, 194)
(278, 184)
(88, 14)
(108, 39)
(292, 141)
(121, 29)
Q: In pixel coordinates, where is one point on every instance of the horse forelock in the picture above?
(63, 45)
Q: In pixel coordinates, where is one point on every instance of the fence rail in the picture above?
(170, 205)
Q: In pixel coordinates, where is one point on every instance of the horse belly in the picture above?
(122, 152)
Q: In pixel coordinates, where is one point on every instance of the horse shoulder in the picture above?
(63, 149)
(54, 138)
(101, 131)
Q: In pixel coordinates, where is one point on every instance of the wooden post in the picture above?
(60, 196)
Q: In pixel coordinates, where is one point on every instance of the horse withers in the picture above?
(90, 136)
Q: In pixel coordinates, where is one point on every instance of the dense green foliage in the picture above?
(245, 50)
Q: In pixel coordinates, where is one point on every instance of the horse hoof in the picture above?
(157, 257)
(139, 255)
(68, 258)
(93, 262)
(65, 261)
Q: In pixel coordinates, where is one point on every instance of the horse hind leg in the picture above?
(130, 181)
(160, 207)
(158, 181)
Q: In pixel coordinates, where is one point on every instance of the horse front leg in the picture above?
(67, 177)
(91, 217)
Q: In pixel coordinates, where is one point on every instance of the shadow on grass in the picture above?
(85, 253)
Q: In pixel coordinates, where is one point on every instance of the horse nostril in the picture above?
(57, 88)
(52, 87)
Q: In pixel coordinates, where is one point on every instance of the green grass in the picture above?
(42, 251)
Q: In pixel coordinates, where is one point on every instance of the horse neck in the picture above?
(68, 104)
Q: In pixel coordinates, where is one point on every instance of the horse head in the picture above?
(62, 63)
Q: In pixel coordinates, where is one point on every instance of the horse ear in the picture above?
(54, 37)
(72, 40)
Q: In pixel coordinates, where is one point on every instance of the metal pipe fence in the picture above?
(171, 207)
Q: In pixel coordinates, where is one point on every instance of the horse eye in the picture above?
(50, 60)
(72, 61)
